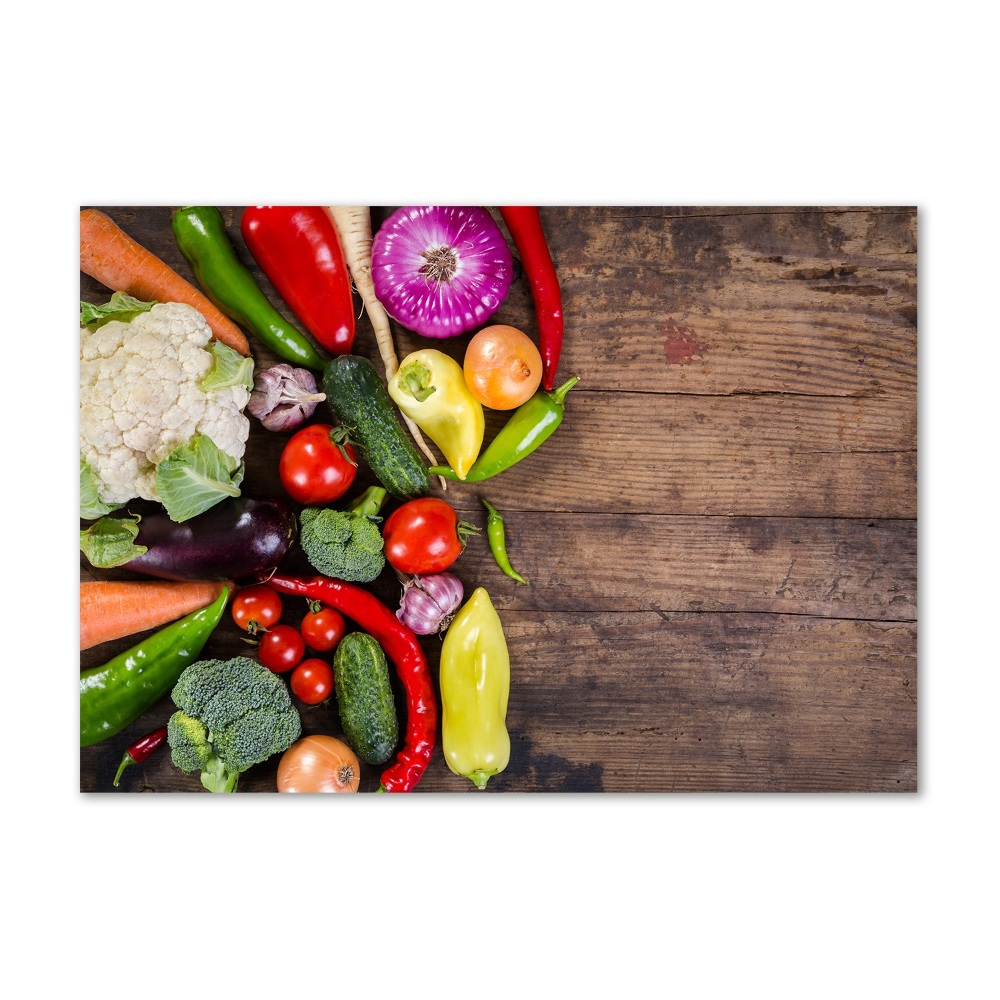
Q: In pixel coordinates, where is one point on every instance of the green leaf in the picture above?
(110, 542)
(197, 476)
(122, 307)
(91, 504)
(229, 368)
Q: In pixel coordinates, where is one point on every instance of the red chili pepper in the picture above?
(525, 227)
(401, 646)
(140, 750)
(299, 251)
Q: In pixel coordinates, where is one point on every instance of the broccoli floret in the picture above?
(346, 544)
(188, 741)
(232, 714)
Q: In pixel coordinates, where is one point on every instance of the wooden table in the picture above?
(721, 539)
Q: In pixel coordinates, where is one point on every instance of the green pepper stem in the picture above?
(480, 777)
(126, 760)
(444, 470)
(415, 378)
(559, 394)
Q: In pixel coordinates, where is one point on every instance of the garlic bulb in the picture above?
(284, 397)
(429, 602)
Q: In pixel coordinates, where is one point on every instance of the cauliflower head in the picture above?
(151, 387)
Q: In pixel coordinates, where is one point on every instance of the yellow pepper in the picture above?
(475, 685)
(430, 389)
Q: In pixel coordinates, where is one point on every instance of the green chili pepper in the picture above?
(498, 542)
(532, 423)
(201, 236)
(114, 695)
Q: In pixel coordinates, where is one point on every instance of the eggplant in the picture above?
(237, 539)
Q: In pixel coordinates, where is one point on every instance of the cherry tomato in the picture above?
(281, 648)
(322, 627)
(424, 536)
(502, 367)
(312, 681)
(256, 608)
(314, 468)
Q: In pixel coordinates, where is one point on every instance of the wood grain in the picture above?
(721, 538)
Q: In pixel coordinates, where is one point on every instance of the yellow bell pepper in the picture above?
(430, 389)
(475, 685)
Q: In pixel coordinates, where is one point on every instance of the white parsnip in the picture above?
(354, 227)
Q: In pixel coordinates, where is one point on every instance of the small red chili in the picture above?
(402, 647)
(525, 227)
(140, 750)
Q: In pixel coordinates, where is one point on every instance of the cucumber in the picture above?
(364, 697)
(358, 397)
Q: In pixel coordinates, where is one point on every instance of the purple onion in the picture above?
(429, 602)
(441, 271)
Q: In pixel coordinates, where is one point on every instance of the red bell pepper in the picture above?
(299, 251)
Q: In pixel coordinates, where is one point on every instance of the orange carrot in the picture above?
(113, 258)
(111, 609)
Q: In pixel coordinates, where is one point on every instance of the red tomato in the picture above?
(256, 607)
(314, 469)
(312, 681)
(281, 648)
(424, 536)
(323, 628)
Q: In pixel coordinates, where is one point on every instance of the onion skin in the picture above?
(502, 367)
(441, 271)
(319, 764)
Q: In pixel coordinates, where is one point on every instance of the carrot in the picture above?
(113, 258)
(111, 609)
(354, 227)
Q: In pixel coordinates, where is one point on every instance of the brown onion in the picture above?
(502, 367)
(319, 764)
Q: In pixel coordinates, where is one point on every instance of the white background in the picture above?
(716, 896)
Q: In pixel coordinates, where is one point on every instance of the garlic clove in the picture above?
(428, 603)
(284, 397)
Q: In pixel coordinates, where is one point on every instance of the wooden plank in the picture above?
(719, 301)
(612, 562)
(716, 702)
(721, 539)
(784, 300)
(720, 702)
(722, 455)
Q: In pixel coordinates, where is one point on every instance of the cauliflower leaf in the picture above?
(229, 368)
(110, 541)
(122, 307)
(91, 504)
(196, 476)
